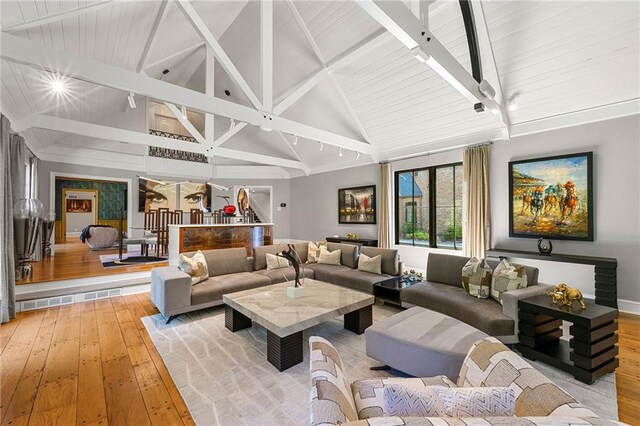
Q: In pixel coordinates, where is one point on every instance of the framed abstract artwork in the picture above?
(552, 197)
(357, 205)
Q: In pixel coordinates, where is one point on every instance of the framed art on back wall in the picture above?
(357, 205)
(552, 197)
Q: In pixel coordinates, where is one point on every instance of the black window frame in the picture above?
(431, 170)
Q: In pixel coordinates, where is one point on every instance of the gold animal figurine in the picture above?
(567, 295)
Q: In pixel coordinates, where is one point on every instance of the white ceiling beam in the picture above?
(19, 50)
(300, 91)
(98, 131)
(186, 52)
(229, 133)
(209, 90)
(399, 21)
(293, 150)
(202, 29)
(266, 56)
(55, 17)
(152, 36)
(186, 123)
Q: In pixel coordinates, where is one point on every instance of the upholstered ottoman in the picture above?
(421, 342)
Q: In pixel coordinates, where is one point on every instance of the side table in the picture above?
(589, 354)
(388, 290)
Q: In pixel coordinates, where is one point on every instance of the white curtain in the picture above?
(476, 228)
(13, 157)
(384, 227)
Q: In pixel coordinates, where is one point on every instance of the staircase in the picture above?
(255, 215)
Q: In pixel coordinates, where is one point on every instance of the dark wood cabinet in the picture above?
(360, 241)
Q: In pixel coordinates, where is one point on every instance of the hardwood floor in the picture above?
(94, 364)
(87, 364)
(74, 260)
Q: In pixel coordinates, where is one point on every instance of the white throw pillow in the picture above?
(329, 257)
(276, 262)
(370, 264)
(507, 277)
(195, 267)
(313, 253)
(440, 401)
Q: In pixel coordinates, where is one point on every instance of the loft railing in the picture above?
(175, 154)
(258, 209)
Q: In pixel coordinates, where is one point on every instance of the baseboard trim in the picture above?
(629, 306)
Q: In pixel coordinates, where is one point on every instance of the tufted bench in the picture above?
(421, 342)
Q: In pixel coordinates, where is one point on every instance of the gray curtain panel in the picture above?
(13, 157)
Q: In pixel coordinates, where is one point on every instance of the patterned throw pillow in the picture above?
(330, 257)
(410, 401)
(195, 267)
(276, 262)
(507, 277)
(370, 264)
(476, 278)
(440, 401)
(368, 394)
(314, 251)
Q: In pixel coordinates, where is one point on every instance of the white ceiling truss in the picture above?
(394, 73)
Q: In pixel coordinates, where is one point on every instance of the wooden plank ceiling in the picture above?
(553, 57)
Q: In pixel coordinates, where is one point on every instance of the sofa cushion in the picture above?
(276, 262)
(532, 272)
(507, 277)
(357, 280)
(285, 274)
(349, 255)
(260, 255)
(390, 258)
(368, 394)
(194, 266)
(325, 272)
(213, 288)
(445, 268)
(490, 363)
(225, 261)
(483, 314)
(313, 251)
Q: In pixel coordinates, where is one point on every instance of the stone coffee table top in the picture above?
(271, 308)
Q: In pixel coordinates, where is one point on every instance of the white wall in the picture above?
(616, 158)
(315, 203)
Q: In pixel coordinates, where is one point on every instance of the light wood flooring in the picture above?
(74, 259)
(94, 364)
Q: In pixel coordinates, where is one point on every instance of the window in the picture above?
(429, 207)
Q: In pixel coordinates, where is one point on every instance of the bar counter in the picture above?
(186, 238)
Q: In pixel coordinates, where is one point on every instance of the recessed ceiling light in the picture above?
(58, 85)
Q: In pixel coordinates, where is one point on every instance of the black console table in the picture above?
(358, 241)
(605, 270)
(592, 351)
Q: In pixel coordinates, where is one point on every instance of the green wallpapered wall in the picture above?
(111, 196)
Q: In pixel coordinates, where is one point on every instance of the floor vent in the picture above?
(30, 305)
(100, 294)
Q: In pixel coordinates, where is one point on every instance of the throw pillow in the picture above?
(370, 264)
(507, 277)
(276, 262)
(440, 401)
(313, 253)
(195, 267)
(413, 401)
(476, 278)
(329, 257)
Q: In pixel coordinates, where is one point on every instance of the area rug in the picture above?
(225, 378)
(129, 257)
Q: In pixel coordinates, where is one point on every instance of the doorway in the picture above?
(79, 209)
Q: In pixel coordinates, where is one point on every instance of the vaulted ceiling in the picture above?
(555, 58)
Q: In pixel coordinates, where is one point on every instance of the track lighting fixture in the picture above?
(159, 182)
(357, 156)
(216, 186)
(321, 146)
(512, 105)
(340, 152)
(132, 100)
(232, 124)
(295, 139)
(184, 111)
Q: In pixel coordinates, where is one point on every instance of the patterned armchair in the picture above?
(489, 363)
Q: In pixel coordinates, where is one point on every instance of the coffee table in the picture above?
(286, 318)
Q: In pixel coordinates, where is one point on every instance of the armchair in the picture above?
(334, 400)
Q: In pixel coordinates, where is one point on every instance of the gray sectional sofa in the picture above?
(230, 270)
(443, 292)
